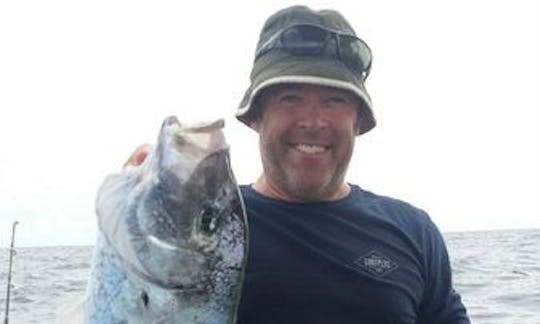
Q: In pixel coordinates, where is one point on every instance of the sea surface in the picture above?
(496, 272)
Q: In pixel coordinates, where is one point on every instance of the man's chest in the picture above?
(335, 268)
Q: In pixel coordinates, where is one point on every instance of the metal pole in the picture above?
(11, 253)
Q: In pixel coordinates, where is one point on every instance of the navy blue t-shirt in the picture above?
(363, 259)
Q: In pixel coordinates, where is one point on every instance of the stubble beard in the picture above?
(295, 186)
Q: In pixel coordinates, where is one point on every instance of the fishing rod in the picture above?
(11, 253)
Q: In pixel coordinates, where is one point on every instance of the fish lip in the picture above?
(178, 247)
(201, 127)
(162, 243)
(209, 133)
(205, 127)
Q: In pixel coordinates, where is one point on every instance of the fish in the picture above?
(172, 238)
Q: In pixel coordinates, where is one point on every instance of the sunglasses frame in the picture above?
(352, 60)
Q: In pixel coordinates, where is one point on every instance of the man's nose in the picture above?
(313, 117)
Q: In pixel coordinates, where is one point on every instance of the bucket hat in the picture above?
(279, 66)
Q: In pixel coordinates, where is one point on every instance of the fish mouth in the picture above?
(207, 136)
(203, 127)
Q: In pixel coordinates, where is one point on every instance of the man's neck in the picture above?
(267, 189)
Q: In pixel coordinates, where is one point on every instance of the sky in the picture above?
(455, 88)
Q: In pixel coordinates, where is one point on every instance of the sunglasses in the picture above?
(312, 40)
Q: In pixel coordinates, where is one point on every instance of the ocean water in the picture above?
(496, 272)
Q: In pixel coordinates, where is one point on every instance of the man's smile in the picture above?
(310, 148)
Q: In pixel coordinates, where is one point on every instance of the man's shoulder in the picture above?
(390, 208)
(376, 199)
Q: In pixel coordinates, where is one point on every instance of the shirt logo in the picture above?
(376, 263)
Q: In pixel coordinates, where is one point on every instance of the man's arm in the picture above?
(441, 304)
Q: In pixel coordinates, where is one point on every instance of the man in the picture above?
(322, 250)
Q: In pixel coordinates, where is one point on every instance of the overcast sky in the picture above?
(455, 86)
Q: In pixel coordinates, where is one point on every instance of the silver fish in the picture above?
(172, 242)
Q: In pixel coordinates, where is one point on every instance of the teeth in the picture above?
(310, 149)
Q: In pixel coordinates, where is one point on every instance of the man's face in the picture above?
(306, 135)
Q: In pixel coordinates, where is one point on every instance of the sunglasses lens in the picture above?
(304, 40)
(356, 53)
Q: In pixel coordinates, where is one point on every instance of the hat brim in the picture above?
(284, 68)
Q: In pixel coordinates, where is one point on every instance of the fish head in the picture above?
(178, 218)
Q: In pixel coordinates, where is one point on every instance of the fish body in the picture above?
(172, 241)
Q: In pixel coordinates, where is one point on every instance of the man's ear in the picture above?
(255, 125)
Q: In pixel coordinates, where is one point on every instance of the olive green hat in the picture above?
(277, 66)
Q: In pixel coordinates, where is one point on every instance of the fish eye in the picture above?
(208, 220)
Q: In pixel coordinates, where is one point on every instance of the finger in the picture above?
(139, 155)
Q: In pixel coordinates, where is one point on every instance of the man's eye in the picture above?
(290, 99)
(337, 99)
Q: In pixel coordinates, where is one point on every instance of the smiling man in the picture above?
(322, 250)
